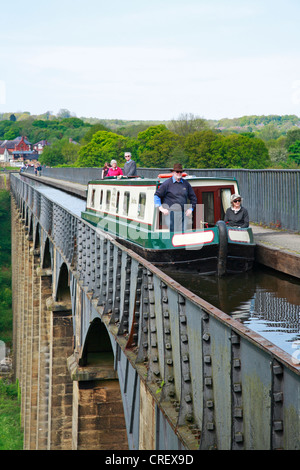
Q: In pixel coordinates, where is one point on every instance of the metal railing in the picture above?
(272, 197)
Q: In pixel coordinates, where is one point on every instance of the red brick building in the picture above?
(19, 149)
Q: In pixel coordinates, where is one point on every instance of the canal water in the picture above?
(266, 301)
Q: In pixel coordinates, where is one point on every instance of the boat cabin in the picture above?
(132, 200)
(124, 207)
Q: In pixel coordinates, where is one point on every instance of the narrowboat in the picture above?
(124, 207)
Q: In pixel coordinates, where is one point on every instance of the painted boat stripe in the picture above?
(241, 236)
(193, 238)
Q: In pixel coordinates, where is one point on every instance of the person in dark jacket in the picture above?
(130, 166)
(236, 215)
(172, 198)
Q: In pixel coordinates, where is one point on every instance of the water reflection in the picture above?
(72, 203)
(266, 301)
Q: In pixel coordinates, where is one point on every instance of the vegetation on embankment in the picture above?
(10, 430)
(11, 436)
(5, 269)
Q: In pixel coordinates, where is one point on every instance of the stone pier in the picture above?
(61, 409)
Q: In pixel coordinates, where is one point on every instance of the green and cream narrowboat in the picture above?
(124, 207)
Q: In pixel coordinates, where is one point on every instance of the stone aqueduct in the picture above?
(111, 353)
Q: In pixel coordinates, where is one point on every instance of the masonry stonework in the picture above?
(58, 412)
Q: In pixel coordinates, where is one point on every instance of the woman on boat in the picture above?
(114, 170)
(105, 169)
(236, 215)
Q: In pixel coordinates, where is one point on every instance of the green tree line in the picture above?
(195, 142)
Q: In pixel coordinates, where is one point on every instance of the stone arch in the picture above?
(46, 263)
(37, 237)
(26, 217)
(100, 415)
(97, 346)
(23, 209)
(63, 293)
(30, 227)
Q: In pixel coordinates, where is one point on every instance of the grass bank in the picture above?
(11, 437)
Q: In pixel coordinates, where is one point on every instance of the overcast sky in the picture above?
(148, 60)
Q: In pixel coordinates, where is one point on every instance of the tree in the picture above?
(291, 137)
(73, 122)
(61, 152)
(47, 115)
(237, 151)
(269, 132)
(52, 155)
(278, 155)
(145, 137)
(92, 130)
(69, 152)
(294, 152)
(177, 155)
(12, 133)
(133, 130)
(158, 145)
(210, 150)
(63, 113)
(4, 127)
(103, 147)
(188, 124)
(198, 148)
(278, 152)
(40, 123)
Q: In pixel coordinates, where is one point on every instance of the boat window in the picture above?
(126, 202)
(101, 197)
(142, 205)
(225, 197)
(93, 198)
(209, 211)
(108, 193)
(117, 201)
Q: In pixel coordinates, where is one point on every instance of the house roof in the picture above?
(24, 152)
(18, 139)
(42, 142)
(10, 144)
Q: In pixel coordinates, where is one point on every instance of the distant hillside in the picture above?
(112, 124)
(256, 123)
(252, 123)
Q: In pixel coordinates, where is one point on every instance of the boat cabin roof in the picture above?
(140, 181)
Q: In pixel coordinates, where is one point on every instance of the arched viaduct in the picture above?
(111, 353)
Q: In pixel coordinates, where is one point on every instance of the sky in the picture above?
(150, 60)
